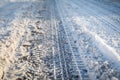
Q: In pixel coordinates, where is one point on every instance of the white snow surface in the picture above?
(98, 22)
(93, 24)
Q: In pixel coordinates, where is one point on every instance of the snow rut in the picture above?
(87, 42)
(48, 40)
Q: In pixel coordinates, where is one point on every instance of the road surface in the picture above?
(60, 40)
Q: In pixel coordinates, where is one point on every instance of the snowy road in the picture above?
(95, 30)
(60, 40)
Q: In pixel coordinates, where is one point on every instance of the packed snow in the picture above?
(59, 40)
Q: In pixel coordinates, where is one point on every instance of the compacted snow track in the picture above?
(60, 40)
(88, 29)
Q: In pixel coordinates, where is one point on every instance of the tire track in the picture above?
(75, 55)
